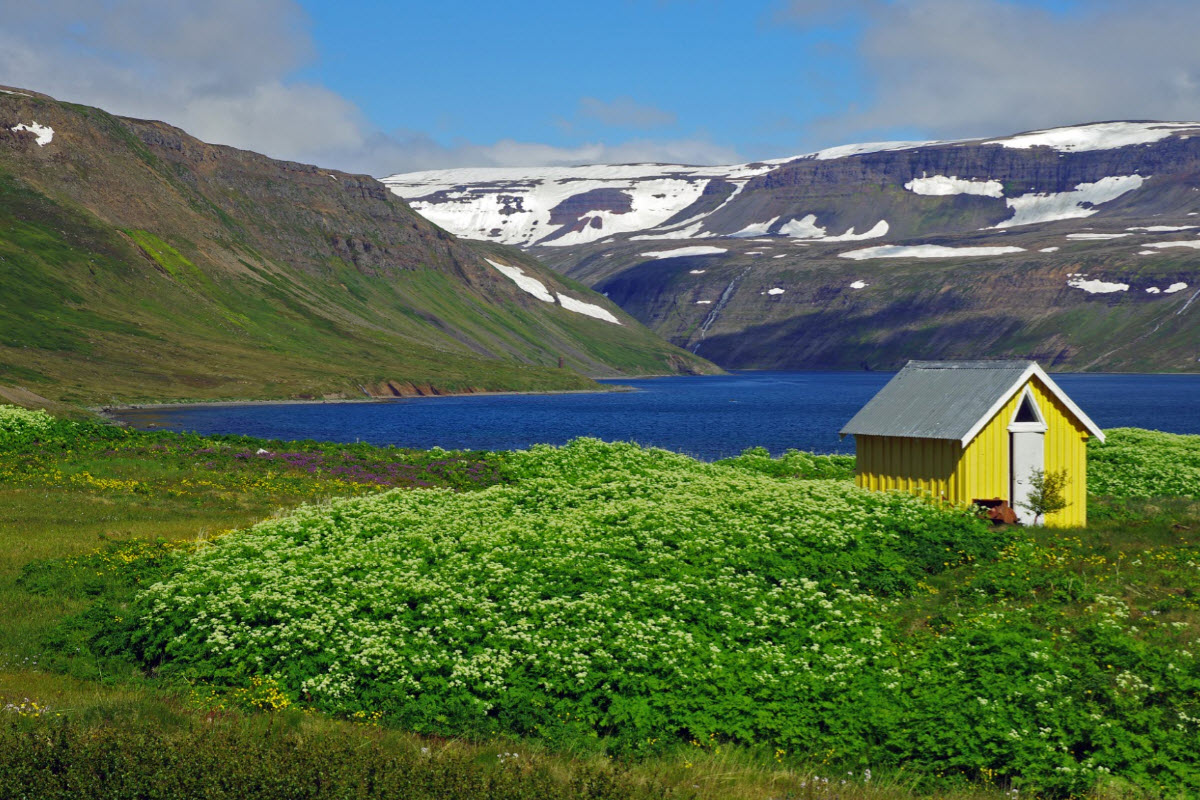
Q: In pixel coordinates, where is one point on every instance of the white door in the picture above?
(1028, 454)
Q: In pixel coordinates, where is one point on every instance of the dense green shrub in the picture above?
(20, 426)
(1136, 463)
(793, 464)
(640, 592)
(23, 429)
(1052, 701)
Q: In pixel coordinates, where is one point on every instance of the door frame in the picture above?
(1015, 429)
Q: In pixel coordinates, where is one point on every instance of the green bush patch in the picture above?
(642, 593)
(1137, 463)
(793, 464)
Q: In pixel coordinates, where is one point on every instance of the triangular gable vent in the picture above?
(1028, 416)
(1028, 410)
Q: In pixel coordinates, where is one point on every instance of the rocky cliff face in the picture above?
(1078, 246)
(141, 263)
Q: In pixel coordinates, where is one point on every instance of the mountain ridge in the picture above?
(1060, 243)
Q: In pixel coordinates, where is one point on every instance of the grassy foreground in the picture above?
(1052, 663)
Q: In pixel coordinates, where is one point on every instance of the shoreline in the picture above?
(109, 410)
(152, 406)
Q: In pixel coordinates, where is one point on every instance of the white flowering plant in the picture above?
(636, 591)
(1137, 463)
(21, 425)
(793, 464)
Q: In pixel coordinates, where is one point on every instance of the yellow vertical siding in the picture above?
(921, 466)
(943, 469)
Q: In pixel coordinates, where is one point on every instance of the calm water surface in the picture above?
(708, 417)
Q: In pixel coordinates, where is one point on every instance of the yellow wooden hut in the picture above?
(964, 431)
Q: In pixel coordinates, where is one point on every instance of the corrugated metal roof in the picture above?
(937, 399)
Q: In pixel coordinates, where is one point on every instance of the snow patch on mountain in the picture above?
(1080, 202)
(1175, 287)
(691, 228)
(1096, 286)
(1097, 136)
(530, 284)
(941, 185)
(1163, 228)
(863, 148)
(697, 222)
(538, 289)
(878, 229)
(44, 133)
(1097, 236)
(754, 229)
(859, 285)
(926, 251)
(590, 309)
(690, 232)
(680, 252)
(1193, 243)
(807, 228)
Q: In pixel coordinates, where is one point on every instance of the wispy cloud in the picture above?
(624, 112)
(955, 68)
(418, 151)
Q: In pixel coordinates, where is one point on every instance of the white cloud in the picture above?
(217, 69)
(278, 119)
(982, 67)
(221, 71)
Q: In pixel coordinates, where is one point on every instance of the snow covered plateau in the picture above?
(820, 259)
(569, 206)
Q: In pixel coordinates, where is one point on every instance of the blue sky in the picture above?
(383, 87)
(569, 73)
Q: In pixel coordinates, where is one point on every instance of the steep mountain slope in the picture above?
(137, 262)
(1077, 246)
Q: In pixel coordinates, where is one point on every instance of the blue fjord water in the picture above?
(708, 417)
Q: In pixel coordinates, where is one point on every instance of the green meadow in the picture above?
(226, 616)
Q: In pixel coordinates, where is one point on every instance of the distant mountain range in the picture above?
(139, 263)
(1078, 246)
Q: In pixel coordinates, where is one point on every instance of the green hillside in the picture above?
(137, 263)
